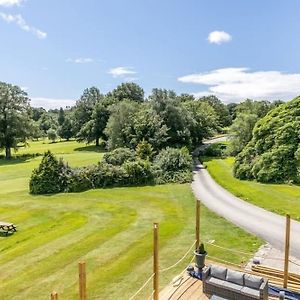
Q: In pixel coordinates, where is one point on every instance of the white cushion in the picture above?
(250, 292)
(232, 286)
(215, 281)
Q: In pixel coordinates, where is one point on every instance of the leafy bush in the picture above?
(215, 150)
(144, 150)
(79, 180)
(139, 172)
(272, 155)
(118, 156)
(49, 177)
(173, 160)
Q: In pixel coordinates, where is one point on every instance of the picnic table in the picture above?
(7, 227)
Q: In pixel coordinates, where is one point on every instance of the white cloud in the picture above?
(219, 37)
(10, 2)
(236, 84)
(121, 71)
(21, 23)
(80, 60)
(48, 103)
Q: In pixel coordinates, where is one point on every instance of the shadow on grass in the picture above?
(18, 159)
(4, 234)
(91, 148)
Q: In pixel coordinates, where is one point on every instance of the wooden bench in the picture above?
(7, 228)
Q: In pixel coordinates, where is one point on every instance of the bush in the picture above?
(139, 172)
(118, 156)
(79, 180)
(49, 177)
(215, 150)
(144, 150)
(173, 160)
(272, 155)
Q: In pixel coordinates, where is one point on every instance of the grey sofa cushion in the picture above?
(232, 286)
(218, 272)
(235, 277)
(250, 292)
(215, 281)
(252, 281)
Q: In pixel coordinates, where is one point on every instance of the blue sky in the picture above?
(233, 49)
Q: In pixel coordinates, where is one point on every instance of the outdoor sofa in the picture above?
(233, 285)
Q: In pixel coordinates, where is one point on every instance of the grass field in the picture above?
(278, 198)
(111, 229)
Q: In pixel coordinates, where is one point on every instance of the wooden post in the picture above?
(54, 296)
(82, 281)
(287, 250)
(198, 204)
(155, 262)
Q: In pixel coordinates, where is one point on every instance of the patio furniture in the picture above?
(7, 228)
(233, 285)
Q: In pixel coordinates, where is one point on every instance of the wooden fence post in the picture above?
(54, 296)
(82, 281)
(197, 223)
(287, 250)
(155, 262)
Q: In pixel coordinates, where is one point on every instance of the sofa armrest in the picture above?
(264, 290)
(205, 273)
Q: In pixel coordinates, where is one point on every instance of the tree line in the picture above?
(122, 117)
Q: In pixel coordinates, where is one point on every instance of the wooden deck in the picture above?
(186, 288)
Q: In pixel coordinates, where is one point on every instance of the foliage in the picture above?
(223, 116)
(138, 172)
(61, 116)
(118, 156)
(49, 177)
(215, 150)
(144, 150)
(52, 135)
(84, 107)
(14, 117)
(65, 131)
(172, 160)
(272, 154)
(128, 91)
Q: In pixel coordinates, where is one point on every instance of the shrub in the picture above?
(173, 159)
(118, 156)
(49, 177)
(139, 172)
(79, 180)
(52, 135)
(144, 150)
(215, 150)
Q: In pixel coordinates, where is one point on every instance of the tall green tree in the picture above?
(61, 116)
(65, 131)
(84, 107)
(14, 117)
(221, 109)
(128, 91)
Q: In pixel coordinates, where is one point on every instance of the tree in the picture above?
(65, 131)
(272, 155)
(84, 107)
(14, 117)
(240, 132)
(220, 108)
(93, 130)
(128, 91)
(61, 116)
(37, 112)
(52, 135)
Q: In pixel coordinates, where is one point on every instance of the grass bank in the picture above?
(278, 198)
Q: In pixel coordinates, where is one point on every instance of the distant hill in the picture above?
(273, 154)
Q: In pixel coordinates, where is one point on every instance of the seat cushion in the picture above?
(252, 281)
(235, 277)
(215, 281)
(250, 292)
(218, 272)
(232, 286)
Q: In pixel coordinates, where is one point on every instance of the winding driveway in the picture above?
(260, 222)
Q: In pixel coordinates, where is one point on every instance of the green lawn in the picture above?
(111, 229)
(278, 198)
